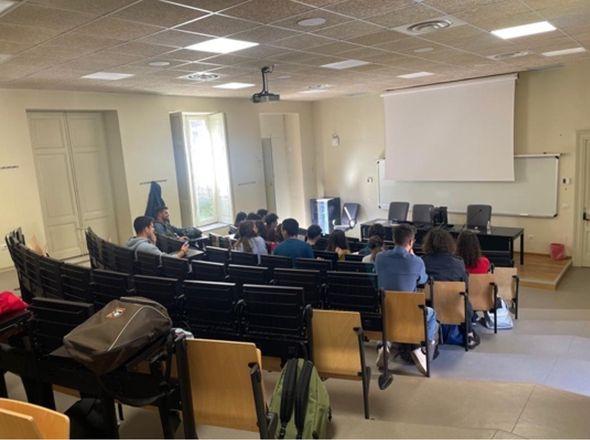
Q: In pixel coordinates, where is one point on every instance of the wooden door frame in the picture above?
(582, 151)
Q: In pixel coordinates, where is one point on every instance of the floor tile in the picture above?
(552, 413)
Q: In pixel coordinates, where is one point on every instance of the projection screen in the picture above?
(459, 131)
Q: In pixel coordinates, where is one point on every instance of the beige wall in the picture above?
(146, 143)
(551, 106)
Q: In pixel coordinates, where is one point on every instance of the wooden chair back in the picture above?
(220, 382)
(481, 291)
(403, 317)
(335, 343)
(504, 277)
(448, 302)
(25, 420)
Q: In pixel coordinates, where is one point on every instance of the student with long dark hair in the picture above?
(469, 250)
(443, 265)
(271, 222)
(240, 217)
(338, 243)
(249, 240)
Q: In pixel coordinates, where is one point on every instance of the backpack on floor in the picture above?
(452, 334)
(504, 318)
(301, 401)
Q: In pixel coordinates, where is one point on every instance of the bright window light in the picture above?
(222, 45)
(208, 175)
(313, 91)
(557, 53)
(524, 30)
(415, 75)
(234, 85)
(346, 64)
(108, 76)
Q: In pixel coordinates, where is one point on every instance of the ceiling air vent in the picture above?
(509, 55)
(428, 26)
(202, 76)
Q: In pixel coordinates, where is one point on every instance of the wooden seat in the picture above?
(449, 300)
(404, 321)
(338, 350)
(483, 293)
(221, 385)
(25, 420)
(507, 280)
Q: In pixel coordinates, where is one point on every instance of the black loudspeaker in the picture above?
(325, 212)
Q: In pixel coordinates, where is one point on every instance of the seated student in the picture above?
(338, 243)
(443, 265)
(271, 222)
(145, 237)
(400, 270)
(262, 213)
(253, 216)
(162, 226)
(377, 229)
(314, 233)
(240, 217)
(469, 250)
(292, 246)
(249, 240)
(376, 246)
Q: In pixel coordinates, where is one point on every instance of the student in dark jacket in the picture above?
(443, 265)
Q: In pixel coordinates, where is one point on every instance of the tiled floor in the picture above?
(532, 382)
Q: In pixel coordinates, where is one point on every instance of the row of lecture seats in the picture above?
(216, 308)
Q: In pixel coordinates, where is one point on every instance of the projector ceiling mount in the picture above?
(264, 95)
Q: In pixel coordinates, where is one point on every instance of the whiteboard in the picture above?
(533, 193)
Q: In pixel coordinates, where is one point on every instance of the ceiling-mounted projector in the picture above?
(264, 95)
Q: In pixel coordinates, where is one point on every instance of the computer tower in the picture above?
(325, 212)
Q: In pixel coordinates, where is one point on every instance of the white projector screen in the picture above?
(460, 131)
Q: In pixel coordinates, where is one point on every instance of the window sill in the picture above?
(213, 226)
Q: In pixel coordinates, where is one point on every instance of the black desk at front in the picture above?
(499, 239)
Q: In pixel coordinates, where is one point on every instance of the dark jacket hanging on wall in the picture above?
(154, 200)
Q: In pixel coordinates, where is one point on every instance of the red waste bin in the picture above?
(557, 251)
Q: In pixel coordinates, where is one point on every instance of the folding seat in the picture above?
(208, 271)
(108, 285)
(50, 277)
(173, 267)
(355, 266)
(148, 264)
(310, 280)
(76, 283)
(248, 274)
(165, 291)
(243, 258)
(217, 254)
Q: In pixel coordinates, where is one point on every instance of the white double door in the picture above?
(73, 176)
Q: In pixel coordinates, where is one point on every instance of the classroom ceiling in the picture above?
(52, 44)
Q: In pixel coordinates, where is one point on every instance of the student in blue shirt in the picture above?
(292, 246)
(400, 270)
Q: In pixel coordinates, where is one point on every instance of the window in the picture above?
(207, 172)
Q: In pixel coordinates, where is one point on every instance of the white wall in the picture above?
(284, 130)
(146, 144)
(551, 106)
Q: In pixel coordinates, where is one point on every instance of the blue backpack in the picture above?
(452, 334)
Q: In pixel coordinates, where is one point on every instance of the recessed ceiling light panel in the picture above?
(311, 22)
(415, 75)
(424, 50)
(524, 30)
(428, 26)
(346, 64)
(108, 76)
(222, 45)
(159, 63)
(558, 53)
(201, 76)
(6, 4)
(234, 86)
